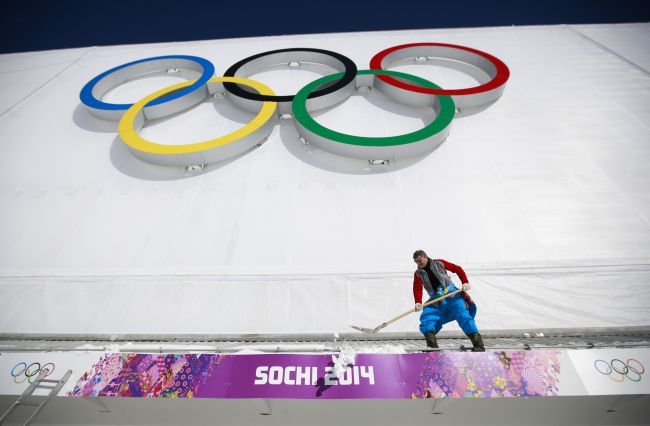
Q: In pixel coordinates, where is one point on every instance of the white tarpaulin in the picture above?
(542, 197)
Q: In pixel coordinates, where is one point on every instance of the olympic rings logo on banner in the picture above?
(30, 372)
(617, 370)
(326, 92)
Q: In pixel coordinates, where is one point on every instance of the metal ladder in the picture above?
(54, 390)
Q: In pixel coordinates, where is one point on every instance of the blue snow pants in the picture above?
(433, 317)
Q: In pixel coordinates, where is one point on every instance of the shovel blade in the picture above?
(365, 330)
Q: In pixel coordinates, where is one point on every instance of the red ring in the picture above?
(502, 75)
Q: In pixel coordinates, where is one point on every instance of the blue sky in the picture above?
(30, 25)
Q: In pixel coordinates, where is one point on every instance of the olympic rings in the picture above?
(30, 373)
(256, 63)
(472, 97)
(323, 93)
(104, 82)
(375, 147)
(621, 368)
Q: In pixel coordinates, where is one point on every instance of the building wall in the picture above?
(542, 197)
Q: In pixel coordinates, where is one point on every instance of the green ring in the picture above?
(300, 113)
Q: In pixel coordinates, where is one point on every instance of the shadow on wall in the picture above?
(131, 166)
(335, 163)
(85, 120)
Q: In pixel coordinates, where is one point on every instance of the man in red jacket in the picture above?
(432, 275)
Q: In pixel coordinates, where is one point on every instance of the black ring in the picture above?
(624, 365)
(348, 76)
(38, 370)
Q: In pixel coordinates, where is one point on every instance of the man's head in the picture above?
(421, 258)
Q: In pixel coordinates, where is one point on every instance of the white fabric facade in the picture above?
(543, 197)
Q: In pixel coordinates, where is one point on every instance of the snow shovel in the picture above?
(390, 321)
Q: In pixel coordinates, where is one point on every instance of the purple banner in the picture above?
(300, 376)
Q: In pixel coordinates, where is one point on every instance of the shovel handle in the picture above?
(431, 302)
(410, 311)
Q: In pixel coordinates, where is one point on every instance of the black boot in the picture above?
(430, 337)
(477, 342)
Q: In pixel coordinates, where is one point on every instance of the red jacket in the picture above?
(450, 267)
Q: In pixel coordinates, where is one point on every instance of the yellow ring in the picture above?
(131, 137)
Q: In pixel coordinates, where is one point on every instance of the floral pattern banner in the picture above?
(500, 374)
(418, 375)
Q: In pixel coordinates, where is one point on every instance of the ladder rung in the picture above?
(49, 381)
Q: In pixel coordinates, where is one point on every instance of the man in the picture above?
(432, 275)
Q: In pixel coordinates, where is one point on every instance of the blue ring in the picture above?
(13, 373)
(87, 98)
(606, 363)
